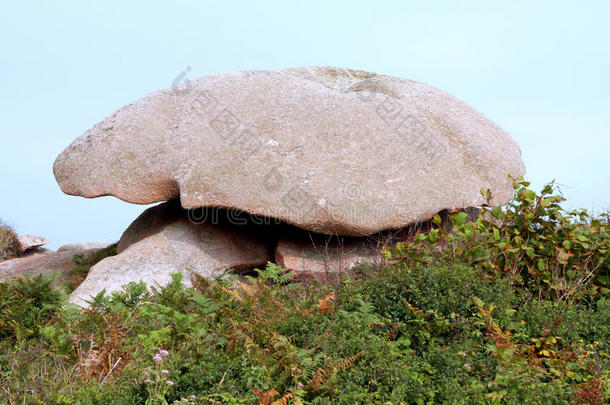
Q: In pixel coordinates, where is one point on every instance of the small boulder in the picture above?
(29, 242)
(315, 255)
(81, 247)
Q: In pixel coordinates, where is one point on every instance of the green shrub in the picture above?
(417, 335)
(9, 243)
(533, 242)
(26, 305)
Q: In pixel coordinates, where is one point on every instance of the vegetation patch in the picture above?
(9, 243)
(511, 309)
(84, 262)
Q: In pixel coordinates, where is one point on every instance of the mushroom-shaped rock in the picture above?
(329, 150)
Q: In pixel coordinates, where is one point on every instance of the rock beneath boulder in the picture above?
(329, 150)
(151, 222)
(29, 242)
(163, 240)
(318, 256)
(81, 247)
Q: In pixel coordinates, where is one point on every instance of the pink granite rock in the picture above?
(327, 149)
(163, 240)
(305, 256)
(39, 262)
(28, 242)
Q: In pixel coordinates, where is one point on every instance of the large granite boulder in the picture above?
(165, 239)
(329, 150)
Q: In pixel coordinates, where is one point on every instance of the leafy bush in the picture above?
(9, 243)
(533, 241)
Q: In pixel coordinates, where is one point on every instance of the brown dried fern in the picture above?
(283, 400)
(232, 293)
(264, 397)
(501, 338)
(324, 373)
(323, 306)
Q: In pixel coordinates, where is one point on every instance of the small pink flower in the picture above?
(192, 397)
(170, 383)
(163, 352)
(164, 372)
(148, 381)
(157, 358)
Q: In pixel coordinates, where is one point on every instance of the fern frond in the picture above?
(283, 400)
(264, 397)
(323, 374)
(232, 293)
(501, 338)
(348, 362)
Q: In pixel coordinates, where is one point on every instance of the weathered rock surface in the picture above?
(151, 222)
(38, 262)
(309, 256)
(81, 247)
(329, 150)
(163, 241)
(29, 242)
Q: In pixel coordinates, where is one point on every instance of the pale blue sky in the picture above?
(538, 69)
